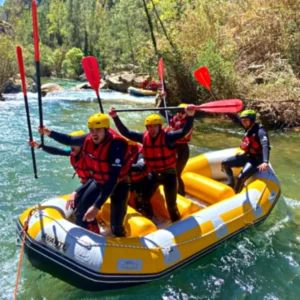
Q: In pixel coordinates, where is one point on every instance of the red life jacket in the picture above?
(136, 176)
(96, 159)
(157, 155)
(177, 124)
(250, 143)
(80, 167)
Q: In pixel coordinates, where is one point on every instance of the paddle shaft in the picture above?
(23, 79)
(38, 82)
(37, 63)
(161, 76)
(30, 136)
(197, 107)
(99, 101)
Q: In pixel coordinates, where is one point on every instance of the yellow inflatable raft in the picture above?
(211, 214)
(140, 92)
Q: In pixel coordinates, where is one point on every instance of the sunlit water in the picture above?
(262, 263)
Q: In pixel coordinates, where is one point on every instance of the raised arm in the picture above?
(173, 136)
(132, 135)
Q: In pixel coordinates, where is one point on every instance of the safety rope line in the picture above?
(24, 230)
(170, 247)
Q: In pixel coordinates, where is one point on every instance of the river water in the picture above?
(262, 263)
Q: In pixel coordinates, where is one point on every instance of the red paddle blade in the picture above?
(203, 77)
(21, 68)
(91, 70)
(222, 106)
(35, 31)
(161, 69)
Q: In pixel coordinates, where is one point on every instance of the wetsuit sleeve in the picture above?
(56, 151)
(66, 139)
(265, 143)
(139, 166)
(173, 136)
(132, 135)
(234, 118)
(116, 161)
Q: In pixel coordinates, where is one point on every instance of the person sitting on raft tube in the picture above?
(159, 155)
(108, 159)
(149, 84)
(75, 153)
(182, 147)
(256, 145)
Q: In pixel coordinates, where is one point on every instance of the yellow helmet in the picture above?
(77, 133)
(182, 105)
(153, 119)
(98, 121)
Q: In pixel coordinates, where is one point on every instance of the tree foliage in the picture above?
(228, 36)
(7, 61)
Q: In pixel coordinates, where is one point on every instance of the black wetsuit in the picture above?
(94, 194)
(248, 161)
(183, 154)
(167, 178)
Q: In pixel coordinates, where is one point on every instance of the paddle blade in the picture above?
(222, 106)
(161, 70)
(203, 77)
(21, 68)
(35, 31)
(91, 70)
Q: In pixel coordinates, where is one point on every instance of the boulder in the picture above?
(12, 86)
(122, 81)
(50, 87)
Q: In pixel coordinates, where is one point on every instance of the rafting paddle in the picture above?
(37, 63)
(161, 76)
(220, 106)
(203, 77)
(22, 74)
(91, 70)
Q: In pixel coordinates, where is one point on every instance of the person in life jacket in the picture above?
(108, 159)
(176, 122)
(75, 154)
(149, 84)
(138, 174)
(160, 156)
(256, 146)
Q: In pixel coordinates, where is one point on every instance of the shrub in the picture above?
(71, 66)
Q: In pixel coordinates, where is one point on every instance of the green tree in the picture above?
(7, 62)
(57, 25)
(71, 66)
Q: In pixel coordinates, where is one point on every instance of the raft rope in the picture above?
(24, 230)
(168, 248)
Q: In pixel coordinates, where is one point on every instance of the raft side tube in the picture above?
(206, 189)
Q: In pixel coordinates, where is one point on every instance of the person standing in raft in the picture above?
(182, 147)
(108, 159)
(138, 174)
(160, 156)
(256, 145)
(75, 153)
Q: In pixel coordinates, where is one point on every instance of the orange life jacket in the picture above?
(177, 124)
(251, 144)
(157, 155)
(80, 167)
(96, 159)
